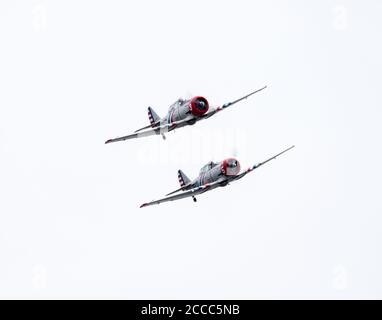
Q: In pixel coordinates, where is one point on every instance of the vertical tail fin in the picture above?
(153, 117)
(154, 121)
(183, 179)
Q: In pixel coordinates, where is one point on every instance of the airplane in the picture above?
(211, 176)
(183, 112)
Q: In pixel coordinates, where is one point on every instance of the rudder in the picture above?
(183, 179)
(153, 117)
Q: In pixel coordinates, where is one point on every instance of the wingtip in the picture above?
(258, 90)
(107, 141)
(143, 205)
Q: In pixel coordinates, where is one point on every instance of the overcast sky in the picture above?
(75, 73)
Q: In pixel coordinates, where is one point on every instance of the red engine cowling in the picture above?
(230, 167)
(199, 106)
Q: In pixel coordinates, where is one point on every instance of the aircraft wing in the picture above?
(134, 135)
(152, 131)
(186, 194)
(241, 175)
(228, 104)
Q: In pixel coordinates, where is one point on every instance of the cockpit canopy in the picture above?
(207, 167)
(181, 101)
(177, 103)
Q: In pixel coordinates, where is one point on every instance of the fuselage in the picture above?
(212, 172)
(184, 109)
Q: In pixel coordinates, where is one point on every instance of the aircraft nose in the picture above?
(231, 167)
(200, 105)
(233, 163)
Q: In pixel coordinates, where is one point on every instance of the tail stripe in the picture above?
(153, 117)
(184, 181)
(181, 182)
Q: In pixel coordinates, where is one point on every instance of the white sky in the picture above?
(75, 73)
